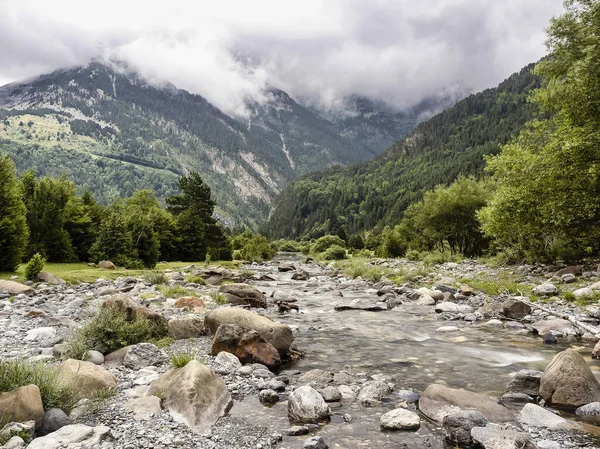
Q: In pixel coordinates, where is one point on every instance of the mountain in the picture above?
(112, 132)
(374, 194)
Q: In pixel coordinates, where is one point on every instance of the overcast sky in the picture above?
(398, 51)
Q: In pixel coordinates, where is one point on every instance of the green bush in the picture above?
(327, 241)
(253, 247)
(413, 254)
(334, 252)
(18, 373)
(196, 280)
(436, 257)
(289, 246)
(109, 330)
(174, 291)
(34, 267)
(155, 278)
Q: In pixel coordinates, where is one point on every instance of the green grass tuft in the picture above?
(182, 358)
(196, 280)
(174, 291)
(218, 298)
(155, 278)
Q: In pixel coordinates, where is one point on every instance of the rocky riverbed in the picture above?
(372, 365)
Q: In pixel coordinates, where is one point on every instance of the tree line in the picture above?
(48, 217)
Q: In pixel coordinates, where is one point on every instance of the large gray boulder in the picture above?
(555, 326)
(279, 335)
(54, 419)
(515, 309)
(306, 405)
(50, 278)
(144, 354)
(243, 294)
(194, 395)
(568, 381)
(437, 401)
(186, 326)
(546, 289)
(502, 436)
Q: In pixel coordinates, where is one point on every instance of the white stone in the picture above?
(400, 419)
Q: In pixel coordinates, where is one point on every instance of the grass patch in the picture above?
(18, 373)
(196, 280)
(109, 330)
(502, 285)
(155, 278)
(582, 301)
(181, 358)
(174, 291)
(360, 267)
(218, 298)
(163, 342)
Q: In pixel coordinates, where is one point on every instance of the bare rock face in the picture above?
(438, 401)
(133, 310)
(243, 294)
(279, 335)
(85, 377)
(246, 344)
(194, 395)
(306, 405)
(22, 404)
(14, 288)
(568, 381)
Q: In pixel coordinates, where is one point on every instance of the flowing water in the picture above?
(401, 343)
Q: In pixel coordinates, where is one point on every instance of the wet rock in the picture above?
(194, 395)
(535, 416)
(279, 335)
(451, 307)
(54, 419)
(546, 289)
(516, 398)
(144, 354)
(50, 278)
(86, 378)
(438, 401)
(549, 339)
(14, 288)
(300, 275)
(297, 430)
(457, 426)
(243, 294)
(192, 303)
(515, 309)
(226, 363)
(22, 404)
(315, 442)
(306, 405)
(400, 419)
(372, 392)
(568, 381)
(331, 394)
(186, 326)
(133, 310)
(591, 409)
(361, 304)
(285, 267)
(246, 344)
(447, 329)
(106, 264)
(525, 381)
(408, 396)
(556, 326)
(73, 435)
(268, 397)
(143, 408)
(502, 436)
(279, 295)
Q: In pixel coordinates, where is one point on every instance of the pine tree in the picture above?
(13, 223)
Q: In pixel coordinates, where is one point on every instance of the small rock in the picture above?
(94, 357)
(400, 419)
(447, 329)
(546, 289)
(297, 430)
(306, 405)
(457, 426)
(591, 409)
(315, 442)
(268, 397)
(54, 419)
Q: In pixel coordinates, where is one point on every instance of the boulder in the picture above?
(54, 419)
(361, 304)
(568, 381)
(85, 377)
(106, 264)
(591, 409)
(25, 431)
(186, 326)
(14, 288)
(315, 442)
(584, 292)
(73, 435)
(438, 401)
(143, 355)
(246, 344)
(143, 408)
(316, 376)
(502, 436)
(268, 397)
(525, 381)
(515, 309)
(331, 394)
(535, 416)
(279, 335)
(457, 426)
(285, 267)
(226, 363)
(22, 404)
(546, 289)
(568, 278)
(243, 294)
(192, 303)
(280, 295)
(133, 310)
(372, 392)
(40, 333)
(306, 405)
(466, 290)
(96, 357)
(576, 270)
(451, 307)
(50, 278)
(400, 419)
(194, 395)
(556, 326)
(300, 275)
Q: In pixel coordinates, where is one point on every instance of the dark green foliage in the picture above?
(34, 266)
(253, 247)
(326, 241)
(374, 194)
(289, 246)
(13, 222)
(334, 252)
(114, 242)
(356, 242)
(109, 330)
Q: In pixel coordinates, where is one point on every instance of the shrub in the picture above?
(356, 242)
(327, 241)
(436, 257)
(181, 358)
(155, 277)
(334, 252)
(289, 246)
(18, 373)
(196, 280)
(109, 330)
(253, 247)
(413, 254)
(174, 291)
(218, 298)
(34, 266)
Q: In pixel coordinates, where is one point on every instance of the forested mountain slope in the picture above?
(376, 193)
(112, 132)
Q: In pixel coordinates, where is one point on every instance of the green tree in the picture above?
(548, 201)
(114, 242)
(13, 222)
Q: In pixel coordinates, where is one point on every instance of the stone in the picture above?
(408, 396)
(144, 354)
(331, 394)
(437, 295)
(315, 442)
(280, 295)
(243, 294)
(14, 288)
(576, 270)
(306, 405)
(466, 290)
(40, 333)
(268, 397)
(194, 395)
(15, 442)
(533, 415)
(279, 335)
(226, 363)
(549, 444)
(143, 408)
(285, 267)
(525, 381)
(192, 303)
(186, 326)
(546, 289)
(297, 430)
(73, 435)
(457, 426)
(106, 264)
(316, 375)
(95, 357)
(516, 398)
(50, 278)
(372, 392)
(582, 293)
(361, 304)
(22, 404)
(400, 419)
(54, 419)
(515, 309)
(25, 429)
(591, 409)
(451, 307)
(447, 329)
(549, 339)
(438, 401)
(85, 377)
(247, 345)
(300, 275)
(133, 310)
(568, 381)
(501, 436)
(425, 300)
(568, 278)
(556, 326)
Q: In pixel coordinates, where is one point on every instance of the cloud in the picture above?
(396, 51)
